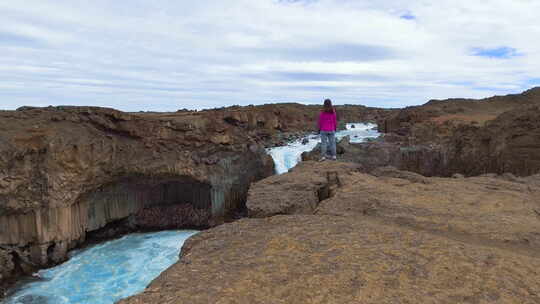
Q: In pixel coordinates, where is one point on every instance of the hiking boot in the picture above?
(334, 157)
(322, 159)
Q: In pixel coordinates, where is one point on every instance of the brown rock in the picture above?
(395, 173)
(68, 171)
(310, 259)
(223, 139)
(296, 192)
(387, 239)
(498, 135)
(7, 267)
(172, 217)
(368, 155)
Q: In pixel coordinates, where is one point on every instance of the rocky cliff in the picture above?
(326, 233)
(67, 172)
(494, 135)
(269, 122)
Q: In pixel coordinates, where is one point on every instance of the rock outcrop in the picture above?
(295, 192)
(367, 155)
(286, 117)
(70, 172)
(471, 137)
(275, 123)
(390, 237)
(7, 264)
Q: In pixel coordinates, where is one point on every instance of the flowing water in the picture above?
(105, 273)
(287, 157)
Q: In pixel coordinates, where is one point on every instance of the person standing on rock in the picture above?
(327, 125)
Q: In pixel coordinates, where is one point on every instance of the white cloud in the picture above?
(164, 55)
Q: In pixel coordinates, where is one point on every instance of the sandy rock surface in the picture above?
(392, 238)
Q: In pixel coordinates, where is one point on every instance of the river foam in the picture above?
(108, 272)
(105, 273)
(287, 157)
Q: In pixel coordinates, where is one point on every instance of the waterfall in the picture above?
(287, 157)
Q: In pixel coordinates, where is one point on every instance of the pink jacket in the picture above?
(328, 121)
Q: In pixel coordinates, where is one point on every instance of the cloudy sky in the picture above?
(168, 54)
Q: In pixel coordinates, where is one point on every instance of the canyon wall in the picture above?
(66, 171)
(268, 122)
(441, 138)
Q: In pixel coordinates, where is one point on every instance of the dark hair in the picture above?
(328, 106)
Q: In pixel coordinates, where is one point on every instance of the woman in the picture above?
(328, 123)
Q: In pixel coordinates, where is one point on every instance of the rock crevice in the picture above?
(294, 193)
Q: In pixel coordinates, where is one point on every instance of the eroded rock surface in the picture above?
(69, 171)
(471, 137)
(328, 259)
(392, 237)
(296, 192)
(6, 260)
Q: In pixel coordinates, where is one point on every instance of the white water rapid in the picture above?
(105, 273)
(287, 157)
(108, 272)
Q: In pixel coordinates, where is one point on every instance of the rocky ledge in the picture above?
(327, 233)
(67, 173)
(443, 137)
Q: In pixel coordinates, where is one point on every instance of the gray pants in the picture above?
(328, 141)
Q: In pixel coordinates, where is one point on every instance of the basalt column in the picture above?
(66, 172)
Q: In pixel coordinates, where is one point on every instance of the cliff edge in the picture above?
(70, 172)
(443, 137)
(327, 233)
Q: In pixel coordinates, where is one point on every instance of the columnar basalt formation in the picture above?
(387, 237)
(66, 172)
(493, 135)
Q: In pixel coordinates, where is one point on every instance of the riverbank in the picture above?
(327, 233)
(287, 156)
(115, 231)
(69, 172)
